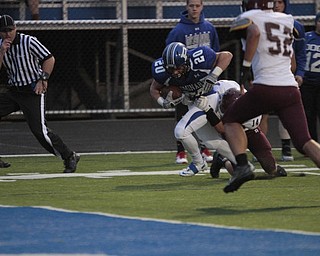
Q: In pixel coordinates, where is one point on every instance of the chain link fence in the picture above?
(104, 49)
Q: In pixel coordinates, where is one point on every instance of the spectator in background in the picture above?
(299, 47)
(34, 8)
(193, 31)
(310, 89)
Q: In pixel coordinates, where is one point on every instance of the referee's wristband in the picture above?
(44, 76)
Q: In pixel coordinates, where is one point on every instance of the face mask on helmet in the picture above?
(175, 59)
(229, 96)
(257, 4)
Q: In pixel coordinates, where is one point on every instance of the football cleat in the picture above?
(4, 164)
(193, 169)
(281, 172)
(181, 158)
(286, 154)
(217, 164)
(241, 175)
(206, 154)
(71, 163)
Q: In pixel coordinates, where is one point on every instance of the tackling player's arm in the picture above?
(246, 29)
(252, 40)
(215, 121)
(203, 104)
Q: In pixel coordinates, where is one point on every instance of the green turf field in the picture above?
(291, 202)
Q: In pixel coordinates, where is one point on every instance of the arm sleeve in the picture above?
(212, 118)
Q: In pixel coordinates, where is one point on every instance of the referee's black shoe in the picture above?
(4, 164)
(70, 163)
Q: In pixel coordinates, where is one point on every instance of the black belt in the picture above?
(23, 88)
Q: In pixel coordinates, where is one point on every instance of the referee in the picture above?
(29, 64)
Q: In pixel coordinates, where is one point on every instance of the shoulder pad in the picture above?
(240, 24)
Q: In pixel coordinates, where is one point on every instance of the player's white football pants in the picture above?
(195, 121)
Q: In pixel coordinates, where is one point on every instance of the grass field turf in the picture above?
(291, 203)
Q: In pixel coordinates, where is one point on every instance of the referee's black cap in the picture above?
(6, 23)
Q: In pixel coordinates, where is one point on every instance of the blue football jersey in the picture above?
(201, 62)
(312, 69)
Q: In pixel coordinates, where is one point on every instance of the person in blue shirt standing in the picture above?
(193, 30)
(310, 89)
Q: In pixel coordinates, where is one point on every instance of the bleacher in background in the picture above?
(138, 9)
(104, 49)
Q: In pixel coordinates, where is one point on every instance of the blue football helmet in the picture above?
(175, 56)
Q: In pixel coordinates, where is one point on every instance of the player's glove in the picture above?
(203, 103)
(208, 82)
(186, 100)
(169, 102)
(245, 75)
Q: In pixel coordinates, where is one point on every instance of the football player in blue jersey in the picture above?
(193, 30)
(195, 72)
(310, 89)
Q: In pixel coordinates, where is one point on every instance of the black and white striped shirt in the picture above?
(23, 58)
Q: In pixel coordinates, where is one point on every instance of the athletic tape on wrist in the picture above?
(217, 71)
(160, 101)
(246, 63)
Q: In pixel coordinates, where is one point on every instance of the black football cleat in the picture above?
(241, 175)
(217, 164)
(4, 164)
(71, 163)
(281, 172)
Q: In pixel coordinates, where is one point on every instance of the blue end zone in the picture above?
(38, 230)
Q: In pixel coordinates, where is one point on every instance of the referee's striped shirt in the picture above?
(22, 60)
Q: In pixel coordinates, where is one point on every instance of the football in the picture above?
(176, 91)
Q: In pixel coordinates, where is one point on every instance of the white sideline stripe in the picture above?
(168, 221)
(108, 153)
(120, 173)
(95, 153)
